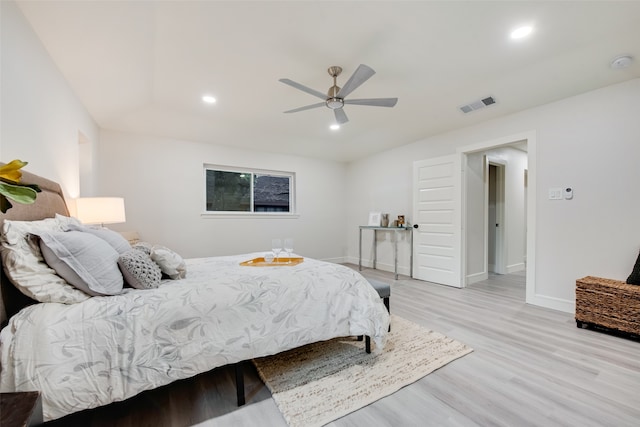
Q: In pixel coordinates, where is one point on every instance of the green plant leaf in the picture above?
(18, 193)
(22, 184)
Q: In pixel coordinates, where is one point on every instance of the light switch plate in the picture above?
(555, 194)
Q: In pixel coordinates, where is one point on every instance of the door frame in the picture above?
(530, 138)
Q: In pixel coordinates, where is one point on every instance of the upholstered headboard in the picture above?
(48, 203)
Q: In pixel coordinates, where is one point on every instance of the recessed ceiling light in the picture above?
(521, 32)
(334, 126)
(208, 99)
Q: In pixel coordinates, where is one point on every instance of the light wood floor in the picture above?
(530, 367)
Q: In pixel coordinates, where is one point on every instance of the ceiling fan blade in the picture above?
(341, 116)
(304, 88)
(307, 107)
(375, 102)
(361, 75)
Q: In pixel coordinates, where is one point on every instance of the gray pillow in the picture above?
(139, 270)
(113, 238)
(143, 246)
(85, 261)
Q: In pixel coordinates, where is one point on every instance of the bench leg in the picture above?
(386, 304)
(367, 344)
(240, 383)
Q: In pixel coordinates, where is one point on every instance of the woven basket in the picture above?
(608, 303)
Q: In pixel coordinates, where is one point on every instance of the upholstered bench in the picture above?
(384, 290)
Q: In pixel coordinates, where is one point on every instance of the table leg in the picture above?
(375, 248)
(411, 256)
(360, 252)
(395, 253)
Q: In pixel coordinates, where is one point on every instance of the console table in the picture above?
(395, 231)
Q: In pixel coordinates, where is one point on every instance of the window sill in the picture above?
(235, 215)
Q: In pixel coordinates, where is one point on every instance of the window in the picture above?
(232, 190)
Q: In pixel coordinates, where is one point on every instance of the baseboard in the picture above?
(402, 269)
(552, 303)
(337, 260)
(477, 277)
(514, 268)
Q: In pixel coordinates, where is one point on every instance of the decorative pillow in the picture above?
(170, 262)
(634, 277)
(25, 267)
(83, 260)
(139, 270)
(115, 239)
(144, 247)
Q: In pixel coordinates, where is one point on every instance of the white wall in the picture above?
(588, 142)
(476, 256)
(516, 164)
(40, 115)
(162, 182)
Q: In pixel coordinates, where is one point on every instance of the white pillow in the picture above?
(113, 238)
(85, 261)
(170, 262)
(25, 267)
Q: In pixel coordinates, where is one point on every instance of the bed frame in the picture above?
(48, 203)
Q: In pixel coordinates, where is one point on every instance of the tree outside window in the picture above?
(248, 191)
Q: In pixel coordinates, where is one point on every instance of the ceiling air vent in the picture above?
(476, 105)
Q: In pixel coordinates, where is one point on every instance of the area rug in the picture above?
(319, 383)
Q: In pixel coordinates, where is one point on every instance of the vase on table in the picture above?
(385, 220)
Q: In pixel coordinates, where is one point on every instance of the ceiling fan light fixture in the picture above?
(334, 126)
(335, 97)
(335, 103)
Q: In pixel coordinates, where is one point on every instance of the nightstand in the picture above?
(20, 409)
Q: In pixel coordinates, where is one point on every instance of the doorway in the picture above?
(495, 230)
(461, 219)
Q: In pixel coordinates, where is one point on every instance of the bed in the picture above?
(97, 350)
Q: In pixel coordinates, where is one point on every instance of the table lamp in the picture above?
(100, 210)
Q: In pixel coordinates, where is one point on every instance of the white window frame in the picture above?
(293, 213)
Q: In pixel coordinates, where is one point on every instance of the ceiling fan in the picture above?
(334, 99)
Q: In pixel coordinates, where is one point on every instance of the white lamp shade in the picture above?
(100, 210)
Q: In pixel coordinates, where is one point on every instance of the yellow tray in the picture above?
(260, 262)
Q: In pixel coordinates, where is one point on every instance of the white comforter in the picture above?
(110, 348)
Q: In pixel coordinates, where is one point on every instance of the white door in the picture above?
(436, 211)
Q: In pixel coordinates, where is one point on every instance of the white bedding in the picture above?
(107, 349)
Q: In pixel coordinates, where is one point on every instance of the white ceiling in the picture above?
(142, 66)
